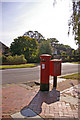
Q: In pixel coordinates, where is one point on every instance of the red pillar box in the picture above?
(55, 67)
(45, 70)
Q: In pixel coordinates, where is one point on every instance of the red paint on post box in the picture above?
(45, 68)
(55, 67)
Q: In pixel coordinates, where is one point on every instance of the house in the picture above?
(4, 50)
(54, 51)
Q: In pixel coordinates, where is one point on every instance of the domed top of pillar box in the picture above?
(45, 57)
(56, 60)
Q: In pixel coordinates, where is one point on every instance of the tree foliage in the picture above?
(45, 48)
(75, 20)
(24, 45)
(62, 47)
(31, 49)
(34, 34)
(53, 41)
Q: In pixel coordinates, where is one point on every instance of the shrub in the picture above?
(22, 59)
(68, 58)
(72, 59)
(4, 59)
(0, 59)
(10, 59)
(16, 59)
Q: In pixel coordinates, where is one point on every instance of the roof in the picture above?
(2, 44)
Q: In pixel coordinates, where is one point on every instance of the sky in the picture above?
(51, 21)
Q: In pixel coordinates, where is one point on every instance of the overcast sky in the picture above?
(19, 17)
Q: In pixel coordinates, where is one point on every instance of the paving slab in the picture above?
(69, 99)
(26, 114)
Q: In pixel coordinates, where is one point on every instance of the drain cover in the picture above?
(28, 112)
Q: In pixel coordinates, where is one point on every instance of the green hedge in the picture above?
(14, 59)
(66, 58)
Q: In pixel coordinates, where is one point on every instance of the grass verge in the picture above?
(75, 76)
(75, 62)
(17, 66)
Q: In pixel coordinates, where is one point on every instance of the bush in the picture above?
(15, 60)
(4, 59)
(10, 59)
(22, 59)
(0, 60)
(34, 59)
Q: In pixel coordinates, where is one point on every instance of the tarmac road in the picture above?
(20, 75)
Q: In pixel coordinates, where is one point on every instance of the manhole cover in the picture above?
(28, 112)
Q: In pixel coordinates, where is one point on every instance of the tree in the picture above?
(24, 45)
(62, 47)
(45, 48)
(53, 41)
(34, 34)
(75, 20)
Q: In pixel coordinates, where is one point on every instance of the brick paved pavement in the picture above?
(14, 98)
(46, 104)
